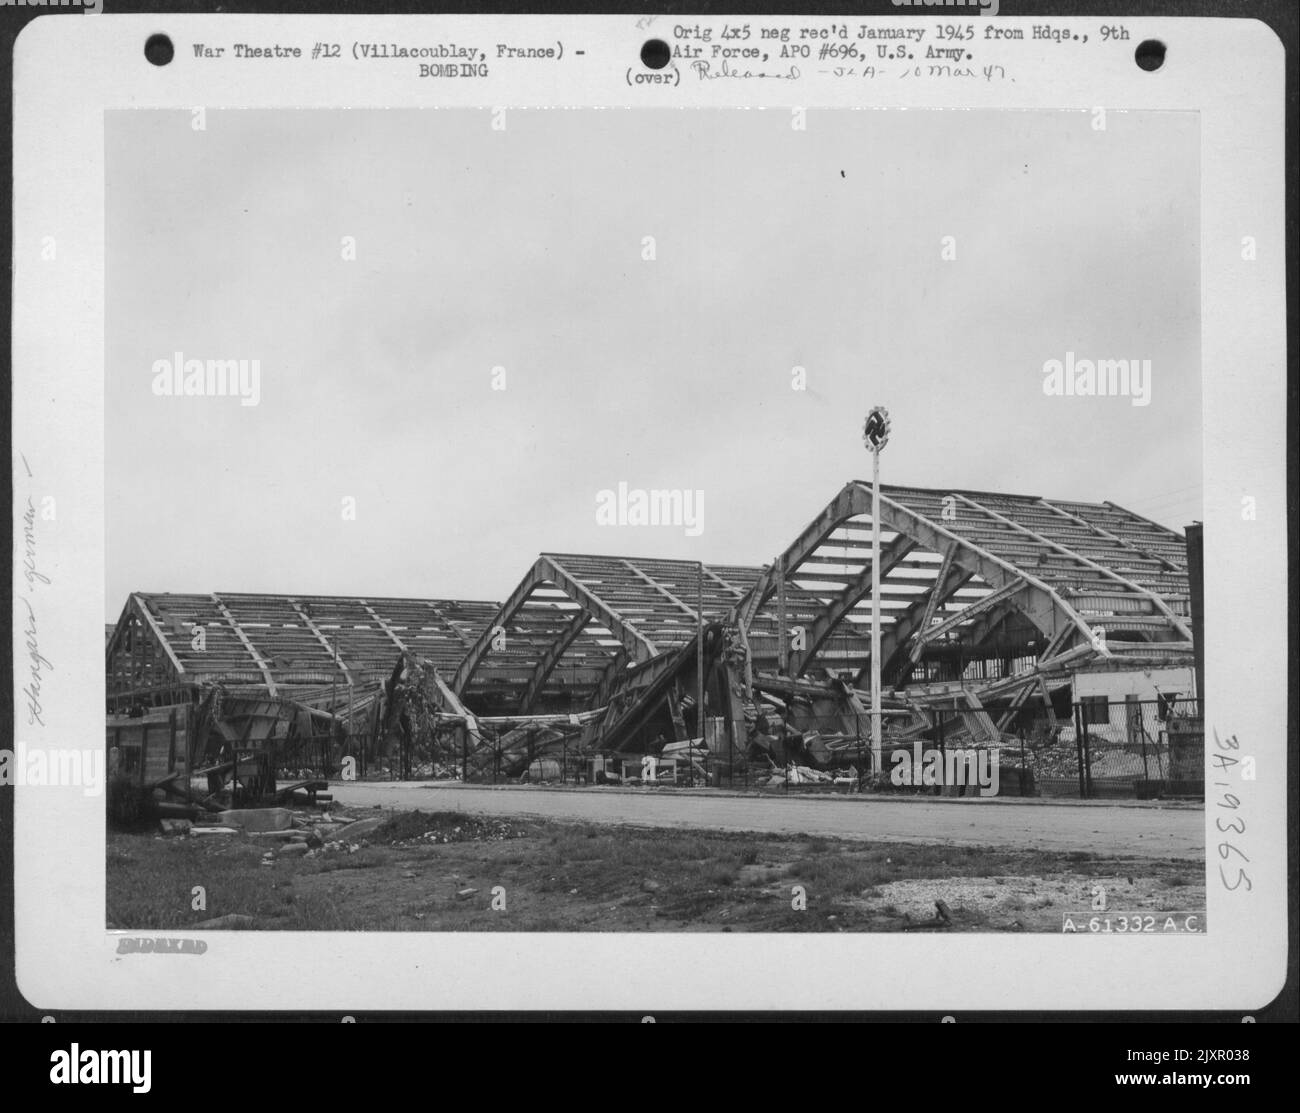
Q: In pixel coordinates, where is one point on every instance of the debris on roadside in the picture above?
(408, 829)
(257, 819)
(354, 832)
(800, 775)
(303, 834)
(941, 922)
(233, 921)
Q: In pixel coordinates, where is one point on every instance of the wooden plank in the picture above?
(333, 651)
(248, 645)
(687, 610)
(1017, 702)
(933, 598)
(1179, 626)
(550, 658)
(675, 711)
(383, 625)
(732, 588)
(171, 740)
(928, 633)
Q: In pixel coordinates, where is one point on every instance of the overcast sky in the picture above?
(522, 249)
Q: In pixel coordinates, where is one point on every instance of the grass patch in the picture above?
(150, 884)
(436, 871)
(368, 857)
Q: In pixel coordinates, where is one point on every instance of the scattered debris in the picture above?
(426, 828)
(225, 923)
(257, 819)
(797, 775)
(942, 920)
(335, 848)
(354, 831)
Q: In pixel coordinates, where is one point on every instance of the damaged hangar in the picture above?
(994, 607)
(294, 683)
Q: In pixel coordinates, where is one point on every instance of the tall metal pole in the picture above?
(699, 667)
(334, 705)
(876, 747)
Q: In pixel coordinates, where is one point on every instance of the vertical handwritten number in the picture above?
(1241, 876)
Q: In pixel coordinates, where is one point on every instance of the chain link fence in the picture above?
(1127, 748)
(1097, 748)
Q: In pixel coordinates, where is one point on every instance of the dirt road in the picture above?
(1121, 830)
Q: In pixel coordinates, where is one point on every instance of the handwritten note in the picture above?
(36, 662)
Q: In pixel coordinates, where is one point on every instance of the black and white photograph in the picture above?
(573, 507)
(797, 534)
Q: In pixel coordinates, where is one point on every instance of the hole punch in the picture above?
(655, 54)
(1150, 55)
(158, 49)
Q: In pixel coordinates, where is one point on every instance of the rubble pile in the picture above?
(802, 775)
(435, 771)
(424, 829)
(1104, 761)
(526, 752)
(285, 832)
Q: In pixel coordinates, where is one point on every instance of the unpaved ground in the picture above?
(1040, 904)
(451, 872)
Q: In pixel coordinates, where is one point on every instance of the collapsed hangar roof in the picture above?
(283, 644)
(1047, 577)
(1028, 575)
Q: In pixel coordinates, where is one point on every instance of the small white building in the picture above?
(1144, 684)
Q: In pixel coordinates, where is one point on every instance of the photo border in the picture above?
(1241, 106)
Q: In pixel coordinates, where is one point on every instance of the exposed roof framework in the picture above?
(994, 575)
(283, 645)
(575, 623)
(966, 576)
(1003, 589)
